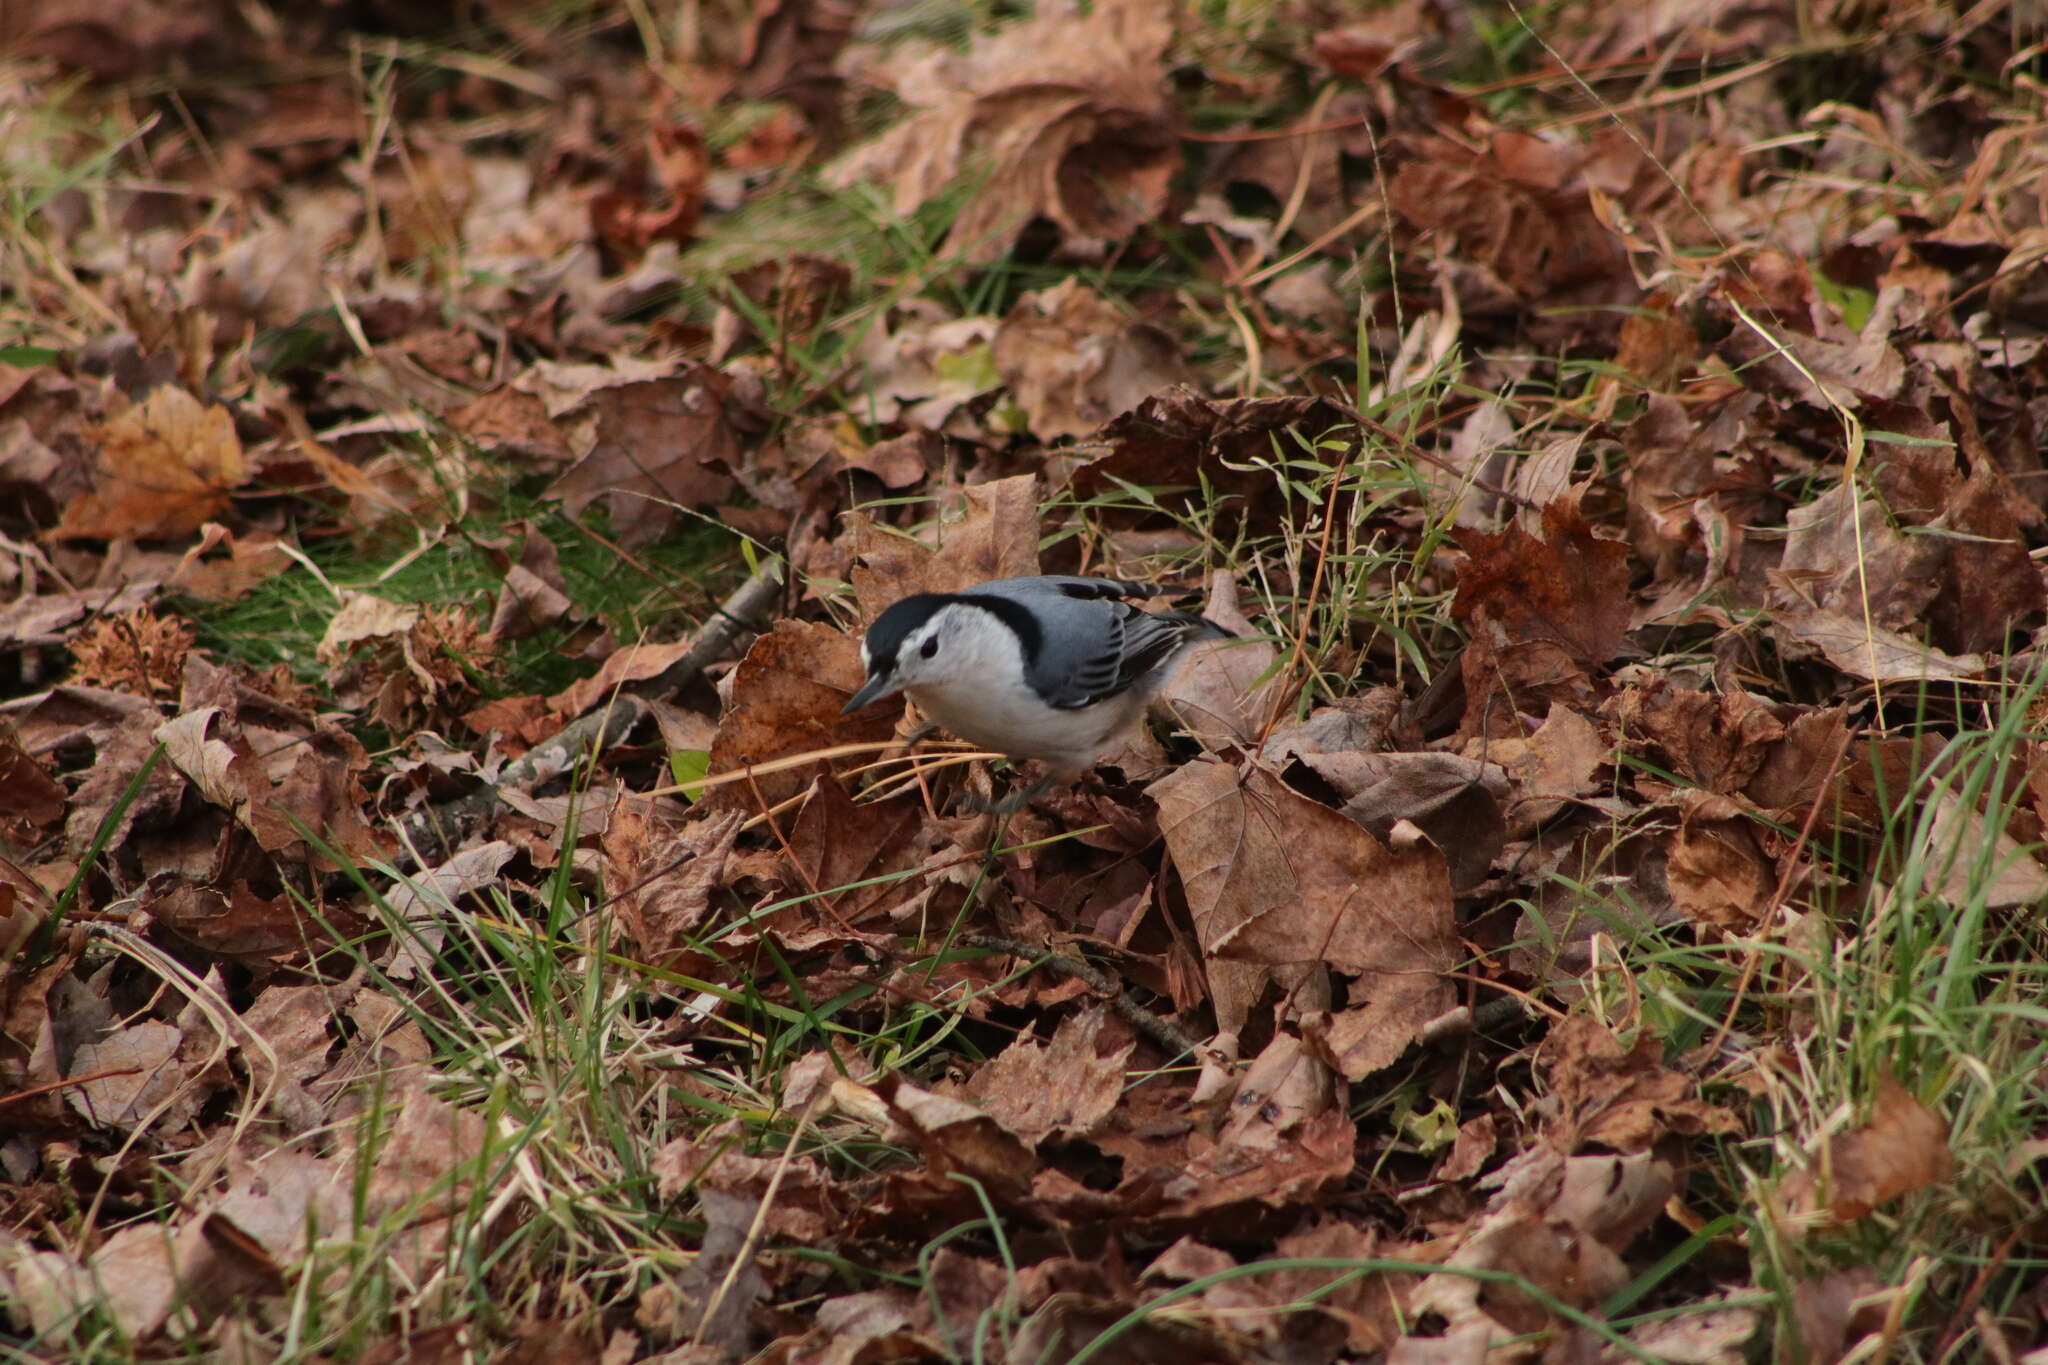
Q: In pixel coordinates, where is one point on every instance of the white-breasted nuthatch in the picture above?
(1053, 668)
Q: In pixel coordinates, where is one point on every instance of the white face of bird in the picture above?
(955, 646)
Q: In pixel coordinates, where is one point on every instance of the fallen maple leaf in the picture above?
(1067, 1087)
(166, 468)
(1073, 361)
(1064, 116)
(1544, 611)
(787, 695)
(996, 538)
(1278, 880)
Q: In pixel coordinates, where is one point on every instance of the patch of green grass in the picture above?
(667, 586)
(1890, 962)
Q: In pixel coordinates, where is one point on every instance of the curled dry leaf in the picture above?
(1718, 742)
(321, 794)
(1971, 860)
(1456, 801)
(1222, 691)
(1558, 1223)
(1073, 361)
(1517, 206)
(923, 368)
(1543, 612)
(1901, 1148)
(1620, 1099)
(1559, 763)
(1068, 1087)
(1062, 116)
(1717, 870)
(953, 1135)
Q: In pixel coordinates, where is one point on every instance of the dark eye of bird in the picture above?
(928, 648)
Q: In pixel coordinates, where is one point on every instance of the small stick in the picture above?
(1161, 1031)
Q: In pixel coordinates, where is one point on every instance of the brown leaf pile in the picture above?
(1624, 481)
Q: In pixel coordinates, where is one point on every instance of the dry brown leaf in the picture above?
(1717, 871)
(808, 1201)
(953, 1135)
(1277, 880)
(1557, 764)
(535, 594)
(1989, 589)
(1843, 553)
(363, 616)
(509, 422)
(1716, 741)
(634, 663)
(1222, 692)
(1456, 801)
(1901, 1148)
(1703, 1335)
(923, 368)
(30, 799)
(1558, 1223)
(1517, 206)
(134, 1071)
(423, 900)
(1073, 361)
(1971, 860)
(1623, 1100)
(1234, 1192)
(787, 698)
(1222, 451)
(321, 794)
(1062, 116)
(837, 845)
(647, 440)
(136, 1277)
(1067, 1087)
(661, 880)
(721, 1287)
(252, 559)
(166, 467)
(1864, 650)
(1543, 612)
(43, 619)
(997, 537)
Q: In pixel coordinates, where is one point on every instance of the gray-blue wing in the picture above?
(1126, 653)
(1104, 645)
(1070, 585)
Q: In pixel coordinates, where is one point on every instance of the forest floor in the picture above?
(1593, 910)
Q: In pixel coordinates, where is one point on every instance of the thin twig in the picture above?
(1161, 1031)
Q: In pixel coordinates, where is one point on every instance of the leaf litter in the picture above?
(448, 916)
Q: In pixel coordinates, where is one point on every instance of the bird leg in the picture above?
(1010, 804)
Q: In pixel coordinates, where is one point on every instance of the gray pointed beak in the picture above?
(871, 692)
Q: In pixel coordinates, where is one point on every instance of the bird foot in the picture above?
(1009, 805)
